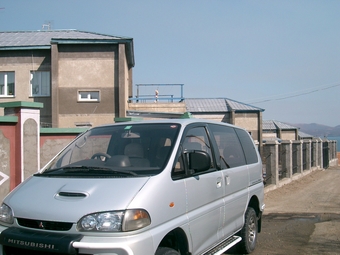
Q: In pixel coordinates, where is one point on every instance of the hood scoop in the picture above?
(68, 195)
(71, 194)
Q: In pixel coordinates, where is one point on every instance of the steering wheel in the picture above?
(101, 156)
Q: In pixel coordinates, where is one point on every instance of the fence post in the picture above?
(336, 152)
(334, 149)
(333, 153)
(286, 158)
(297, 157)
(320, 153)
(314, 153)
(271, 155)
(307, 154)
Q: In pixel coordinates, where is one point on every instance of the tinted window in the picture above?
(230, 149)
(195, 139)
(248, 146)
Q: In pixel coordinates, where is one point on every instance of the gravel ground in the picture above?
(303, 217)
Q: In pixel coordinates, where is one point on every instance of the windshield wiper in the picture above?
(87, 169)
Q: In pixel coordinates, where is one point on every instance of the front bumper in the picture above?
(44, 242)
(38, 241)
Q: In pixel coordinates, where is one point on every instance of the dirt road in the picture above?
(303, 217)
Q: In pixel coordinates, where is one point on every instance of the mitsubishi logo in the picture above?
(41, 225)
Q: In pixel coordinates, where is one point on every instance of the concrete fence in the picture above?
(288, 160)
(25, 148)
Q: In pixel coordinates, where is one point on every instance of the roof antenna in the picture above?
(47, 26)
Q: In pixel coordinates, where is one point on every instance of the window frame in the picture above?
(88, 98)
(5, 84)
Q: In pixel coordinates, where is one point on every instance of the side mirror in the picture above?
(198, 161)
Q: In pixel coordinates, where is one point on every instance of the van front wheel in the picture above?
(166, 251)
(249, 232)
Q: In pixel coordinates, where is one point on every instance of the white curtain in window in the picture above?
(7, 83)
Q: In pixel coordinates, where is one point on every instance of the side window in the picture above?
(88, 96)
(196, 139)
(248, 146)
(40, 83)
(230, 149)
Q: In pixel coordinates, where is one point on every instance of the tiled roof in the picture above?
(273, 125)
(216, 105)
(44, 37)
(305, 135)
(268, 125)
(205, 105)
(238, 106)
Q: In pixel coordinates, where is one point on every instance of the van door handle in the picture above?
(227, 180)
(219, 182)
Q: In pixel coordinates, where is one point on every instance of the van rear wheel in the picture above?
(166, 251)
(249, 232)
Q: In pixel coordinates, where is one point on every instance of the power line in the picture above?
(295, 94)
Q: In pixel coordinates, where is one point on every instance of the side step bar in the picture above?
(224, 246)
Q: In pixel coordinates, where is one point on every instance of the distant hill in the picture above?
(318, 130)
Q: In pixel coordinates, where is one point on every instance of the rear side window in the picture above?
(228, 143)
(248, 146)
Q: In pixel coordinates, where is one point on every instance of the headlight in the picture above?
(6, 214)
(115, 221)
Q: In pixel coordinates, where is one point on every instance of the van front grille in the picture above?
(48, 225)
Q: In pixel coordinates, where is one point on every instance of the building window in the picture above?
(40, 83)
(88, 96)
(7, 83)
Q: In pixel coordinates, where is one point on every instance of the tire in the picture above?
(249, 232)
(166, 251)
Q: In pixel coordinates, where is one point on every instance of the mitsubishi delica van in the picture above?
(165, 187)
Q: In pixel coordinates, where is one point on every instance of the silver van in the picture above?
(165, 187)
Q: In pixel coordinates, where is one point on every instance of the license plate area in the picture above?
(43, 242)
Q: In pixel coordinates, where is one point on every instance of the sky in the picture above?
(279, 55)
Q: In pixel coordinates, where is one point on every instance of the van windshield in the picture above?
(124, 150)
